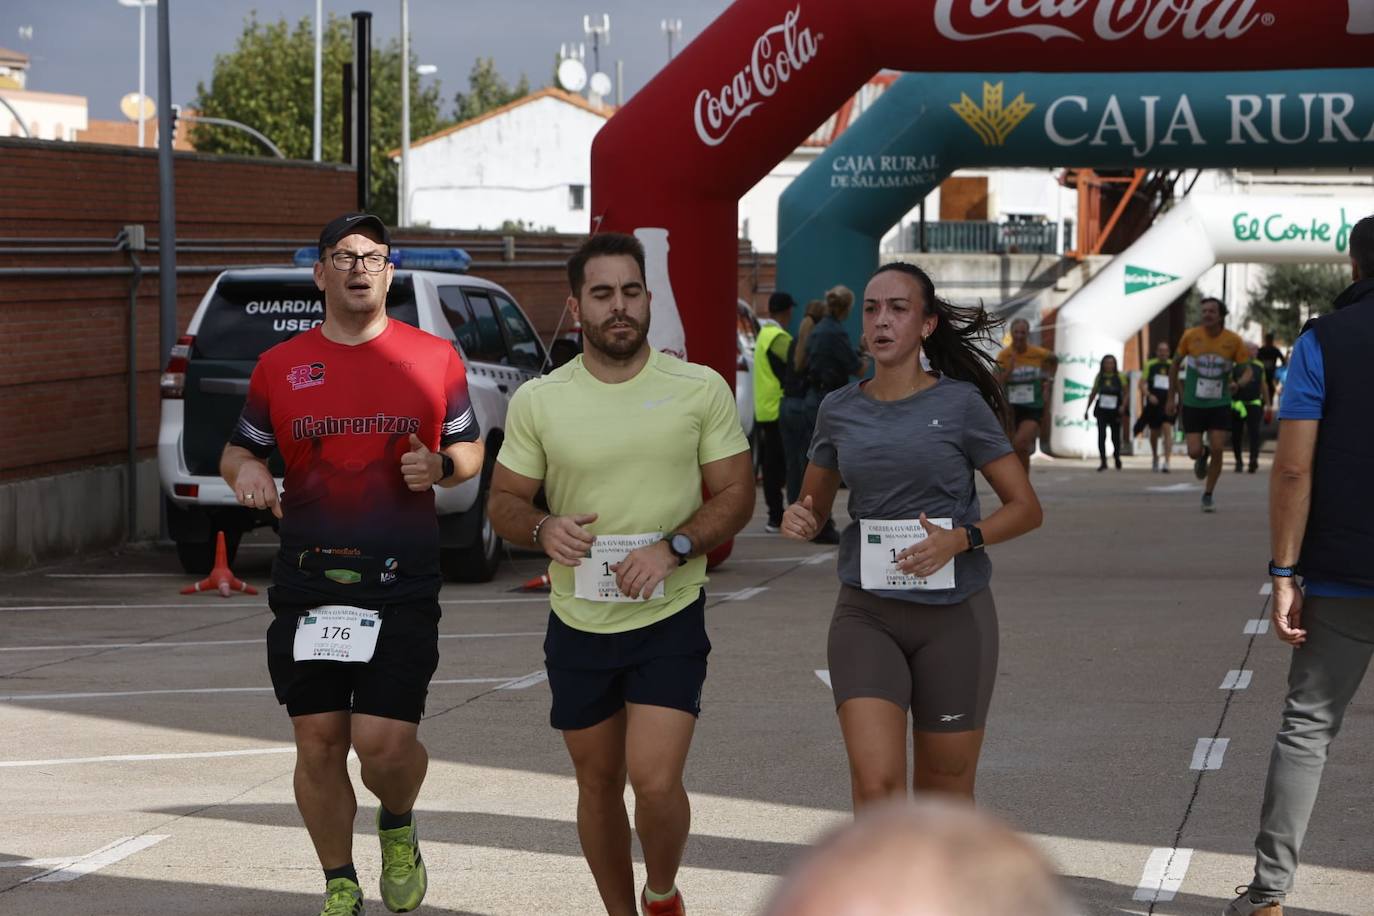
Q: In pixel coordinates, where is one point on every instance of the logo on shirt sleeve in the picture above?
(305, 376)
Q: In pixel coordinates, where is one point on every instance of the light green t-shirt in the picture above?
(632, 454)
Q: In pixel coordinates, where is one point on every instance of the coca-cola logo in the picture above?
(1112, 20)
(779, 54)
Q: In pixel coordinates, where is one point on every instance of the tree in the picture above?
(267, 82)
(1292, 293)
(487, 89)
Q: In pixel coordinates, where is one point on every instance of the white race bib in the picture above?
(1160, 383)
(337, 633)
(882, 540)
(1107, 401)
(1209, 389)
(595, 581)
(1021, 394)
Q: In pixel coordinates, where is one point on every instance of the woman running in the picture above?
(1109, 388)
(915, 628)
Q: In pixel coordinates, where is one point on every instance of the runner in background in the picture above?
(1027, 371)
(1208, 352)
(915, 627)
(1109, 388)
(1248, 405)
(1154, 396)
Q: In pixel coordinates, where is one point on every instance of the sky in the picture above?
(90, 47)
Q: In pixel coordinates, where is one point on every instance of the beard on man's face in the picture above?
(618, 344)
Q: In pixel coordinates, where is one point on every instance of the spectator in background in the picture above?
(931, 858)
(800, 401)
(1109, 389)
(1271, 357)
(1249, 402)
(831, 358)
(815, 311)
(772, 349)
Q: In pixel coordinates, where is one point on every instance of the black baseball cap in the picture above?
(350, 223)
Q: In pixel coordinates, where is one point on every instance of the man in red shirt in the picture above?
(368, 414)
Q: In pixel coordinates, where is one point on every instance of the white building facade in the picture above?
(528, 162)
(46, 115)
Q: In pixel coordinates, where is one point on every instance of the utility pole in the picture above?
(596, 33)
(403, 209)
(319, 66)
(672, 28)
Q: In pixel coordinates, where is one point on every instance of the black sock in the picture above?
(391, 821)
(343, 871)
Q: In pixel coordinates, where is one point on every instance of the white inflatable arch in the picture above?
(1198, 233)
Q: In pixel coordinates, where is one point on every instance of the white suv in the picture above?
(247, 311)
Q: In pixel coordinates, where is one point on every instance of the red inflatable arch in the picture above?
(673, 163)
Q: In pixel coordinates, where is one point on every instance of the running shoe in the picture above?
(1102, 467)
(342, 897)
(1164, 470)
(772, 527)
(673, 906)
(404, 878)
(829, 534)
(1240, 467)
(1154, 464)
(1200, 463)
(1244, 906)
(1208, 505)
(1118, 462)
(1254, 466)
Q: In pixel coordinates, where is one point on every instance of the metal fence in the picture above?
(981, 237)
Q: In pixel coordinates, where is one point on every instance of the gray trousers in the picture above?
(1323, 677)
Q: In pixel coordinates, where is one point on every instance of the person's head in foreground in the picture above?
(928, 858)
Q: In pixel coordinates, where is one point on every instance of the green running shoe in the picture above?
(342, 898)
(404, 879)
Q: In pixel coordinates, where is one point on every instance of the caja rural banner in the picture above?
(833, 216)
(675, 160)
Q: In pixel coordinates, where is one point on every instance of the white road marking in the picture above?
(1163, 875)
(139, 758)
(36, 863)
(108, 694)
(1259, 626)
(745, 594)
(1237, 680)
(58, 647)
(106, 855)
(1267, 588)
(824, 675)
(1209, 753)
(134, 607)
(529, 680)
(1174, 488)
(809, 558)
(820, 558)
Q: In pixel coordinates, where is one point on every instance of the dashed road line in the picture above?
(1236, 680)
(824, 675)
(1163, 875)
(1209, 753)
(1257, 627)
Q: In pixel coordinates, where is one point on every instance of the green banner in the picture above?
(1139, 279)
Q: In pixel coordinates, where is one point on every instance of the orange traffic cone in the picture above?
(539, 583)
(221, 578)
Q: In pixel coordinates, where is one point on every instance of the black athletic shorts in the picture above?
(1021, 414)
(1205, 419)
(593, 675)
(393, 685)
(1154, 416)
(939, 661)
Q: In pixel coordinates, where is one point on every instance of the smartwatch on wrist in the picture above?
(975, 538)
(446, 466)
(681, 547)
(1282, 572)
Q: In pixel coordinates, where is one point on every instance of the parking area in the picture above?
(147, 766)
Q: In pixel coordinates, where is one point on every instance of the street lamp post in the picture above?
(403, 210)
(142, 6)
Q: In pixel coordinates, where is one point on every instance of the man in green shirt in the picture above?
(771, 350)
(622, 439)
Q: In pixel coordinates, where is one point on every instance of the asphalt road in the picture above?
(147, 768)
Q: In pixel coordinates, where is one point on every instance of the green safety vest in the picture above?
(767, 385)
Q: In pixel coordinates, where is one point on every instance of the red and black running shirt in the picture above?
(342, 416)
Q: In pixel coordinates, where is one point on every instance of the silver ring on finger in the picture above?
(248, 496)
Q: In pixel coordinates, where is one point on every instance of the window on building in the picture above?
(577, 197)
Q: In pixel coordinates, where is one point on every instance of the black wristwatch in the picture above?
(681, 546)
(975, 538)
(446, 465)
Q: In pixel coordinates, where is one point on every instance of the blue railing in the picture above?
(979, 237)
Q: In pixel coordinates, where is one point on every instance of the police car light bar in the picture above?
(454, 260)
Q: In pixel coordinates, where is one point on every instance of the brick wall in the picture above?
(63, 352)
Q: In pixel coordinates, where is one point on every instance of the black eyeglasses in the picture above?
(372, 263)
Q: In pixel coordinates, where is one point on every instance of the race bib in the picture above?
(594, 580)
(882, 540)
(1209, 389)
(337, 633)
(1021, 394)
(1107, 401)
(1160, 383)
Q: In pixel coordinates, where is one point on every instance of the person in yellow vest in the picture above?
(771, 350)
(1249, 403)
(1027, 373)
